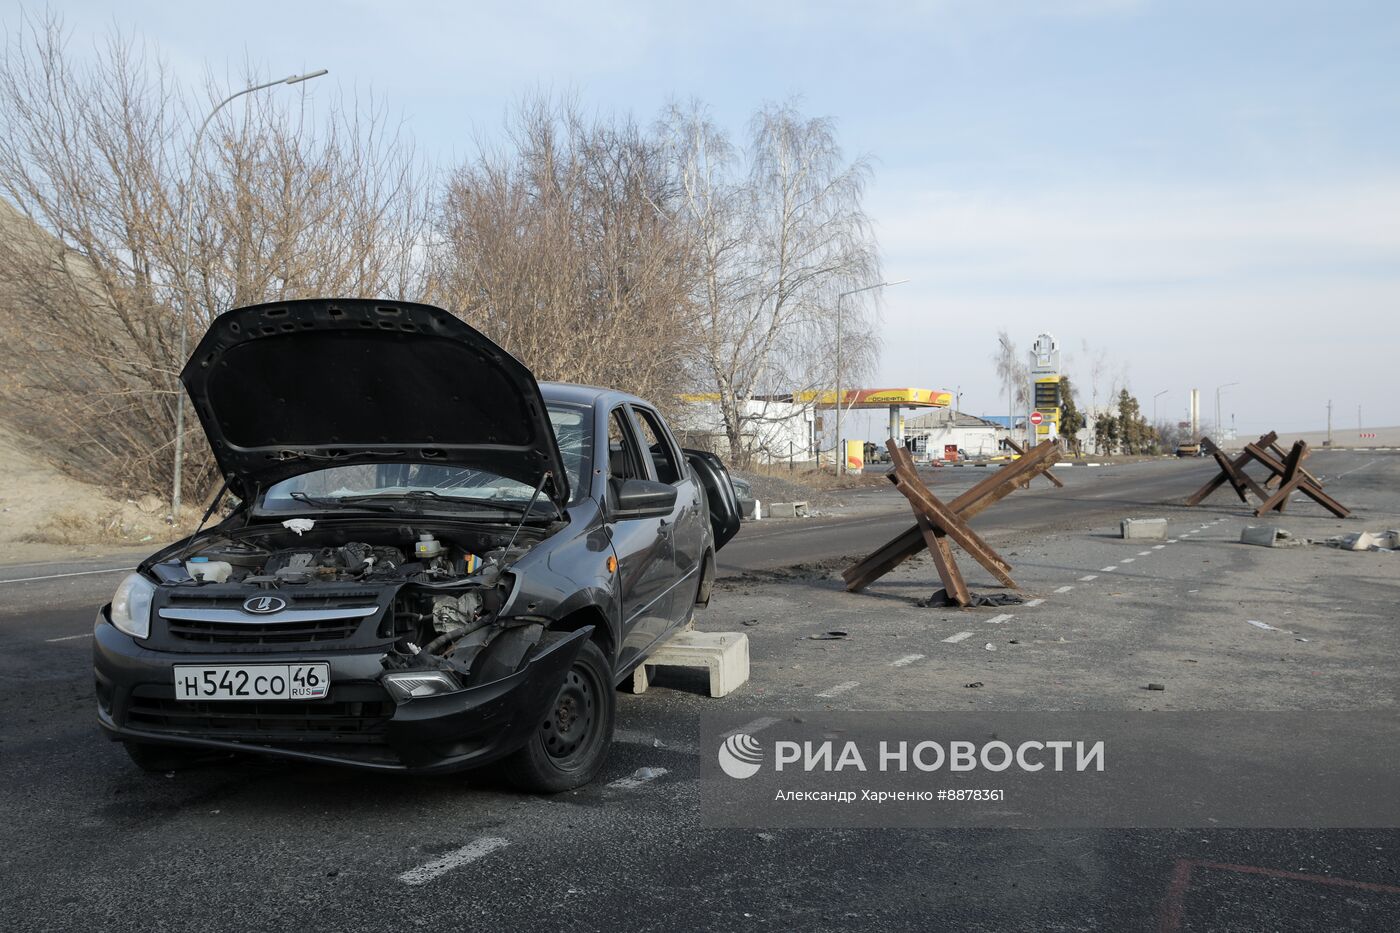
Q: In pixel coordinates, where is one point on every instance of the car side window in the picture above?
(624, 461)
(658, 445)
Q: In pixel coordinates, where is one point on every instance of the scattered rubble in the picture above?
(1365, 541)
(1270, 536)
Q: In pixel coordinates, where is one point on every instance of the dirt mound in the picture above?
(44, 513)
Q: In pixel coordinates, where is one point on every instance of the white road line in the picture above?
(953, 639)
(1354, 469)
(1064, 589)
(1127, 560)
(1092, 576)
(839, 688)
(997, 620)
(1108, 569)
(1158, 547)
(907, 660)
(758, 725)
(70, 637)
(455, 859)
(1032, 603)
(1144, 553)
(59, 576)
(638, 778)
(1171, 540)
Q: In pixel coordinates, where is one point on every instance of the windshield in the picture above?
(429, 482)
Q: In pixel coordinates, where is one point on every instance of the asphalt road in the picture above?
(1089, 493)
(91, 843)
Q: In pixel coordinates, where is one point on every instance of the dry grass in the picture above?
(824, 479)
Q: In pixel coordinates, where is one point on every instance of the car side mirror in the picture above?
(641, 498)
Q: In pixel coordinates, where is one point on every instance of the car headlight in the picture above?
(407, 685)
(131, 606)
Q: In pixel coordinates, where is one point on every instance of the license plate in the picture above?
(253, 682)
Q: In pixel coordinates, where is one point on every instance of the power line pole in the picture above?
(1329, 422)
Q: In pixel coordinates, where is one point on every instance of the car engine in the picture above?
(443, 595)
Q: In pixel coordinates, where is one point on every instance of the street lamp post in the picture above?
(185, 276)
(1218, 426)
(1154, 412)
(840, 451)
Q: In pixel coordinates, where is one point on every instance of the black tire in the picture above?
(571, 744)
(158, 759)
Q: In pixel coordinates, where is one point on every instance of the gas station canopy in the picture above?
(877, 398)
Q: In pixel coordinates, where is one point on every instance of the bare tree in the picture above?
(1015, 375)
(780, 231)
(560, 248)
(95, 161)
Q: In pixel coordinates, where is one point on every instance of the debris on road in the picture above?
(1264, 625)
(974, 684)
(1270, 536)
(833, 635)
(1144, 529)
(1366, 541)
(941, 599)
(1156, 686)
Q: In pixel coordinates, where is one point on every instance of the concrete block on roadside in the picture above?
(724, 654)
(1144, 529)
(787, 510)
(1268, 536)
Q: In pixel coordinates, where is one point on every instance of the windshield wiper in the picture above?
(436, 497)
(338, 502)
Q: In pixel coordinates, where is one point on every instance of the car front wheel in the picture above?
(570, 745)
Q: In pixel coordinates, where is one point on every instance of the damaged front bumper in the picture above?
(358, 724)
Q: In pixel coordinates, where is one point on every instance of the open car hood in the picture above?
(286, 388)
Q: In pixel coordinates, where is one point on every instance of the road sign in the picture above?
(1037, 417)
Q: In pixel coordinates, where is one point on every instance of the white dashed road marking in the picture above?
(952, 639)
(1127, 560)
(839, 688)
(907, 660)
(1092, 576)
(1158, 547)
(997, 620)
(638, 778)
(1171, 540)
(70, 637)
(1108, 569)
(1032, 603)
(1064, 589)
(1144, 553)
(455, 859)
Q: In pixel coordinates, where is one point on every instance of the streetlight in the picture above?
(1154, 411)
(840, 450)
(1218, 427)
(185, 275)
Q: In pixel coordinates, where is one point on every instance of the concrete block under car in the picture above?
(1144, 529)
(1268, 536)
(725, 654)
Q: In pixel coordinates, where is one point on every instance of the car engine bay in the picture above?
(444, 589)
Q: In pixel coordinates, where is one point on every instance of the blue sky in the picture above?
(1205, 191)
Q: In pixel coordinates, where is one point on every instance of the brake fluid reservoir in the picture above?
(427, 546)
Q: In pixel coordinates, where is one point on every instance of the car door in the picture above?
(646, 567)
(688, 518)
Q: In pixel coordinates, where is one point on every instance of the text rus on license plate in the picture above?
(252, 682)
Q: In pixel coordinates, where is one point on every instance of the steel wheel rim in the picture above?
(569, 731)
